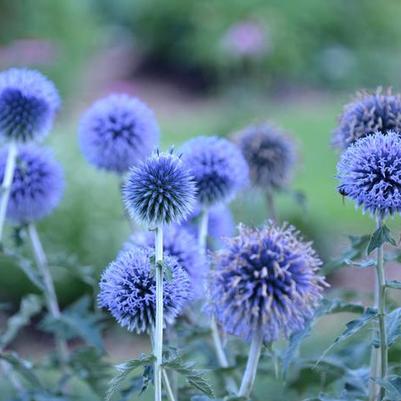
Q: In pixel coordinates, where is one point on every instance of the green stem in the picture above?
(169, 390)
(6, 184)
(248, 379)
(49, 291)
(158, 337)
(381, 309)
(271, 207)
(218, 345)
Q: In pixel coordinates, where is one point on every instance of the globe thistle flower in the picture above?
(160, 190)
(265, 281)
(369, 173)
(220, 222)
(128, 290)
(368, 113)
(270, 155)
(118, 131)
(37, 185)
(182, 245)
(28, 103)
(218, 166)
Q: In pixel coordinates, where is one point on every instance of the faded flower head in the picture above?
(28, 103)
(270, 155)
(266, 279)
(183, 246)
(160, 190)
(367, 114)
(118, 131)
(128, 290)
(369, 173)
(218, 167)
(37, 186)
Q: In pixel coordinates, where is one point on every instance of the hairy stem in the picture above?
(271, 207)
(251, 369)
(158, 337)
(6, 184)
(380, 298)
(49, 291)
(218, 345)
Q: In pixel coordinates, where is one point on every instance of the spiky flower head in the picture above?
(28, 103)
(270, 155)
(220, 222)
(182, 245)
(367, 114)
(128, 289)
(37, 185)
(369, 173)
(118, 131)
(160, 190)
(218, 166)
(266, 280)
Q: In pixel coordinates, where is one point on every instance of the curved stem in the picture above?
(251, 369)
(49, 291)
(271, 207)
(158, 336)
(218, 345)
(6, 184)
(380, 298)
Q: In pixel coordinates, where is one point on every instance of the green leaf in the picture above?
(194, 377)
(352, 327)
(393, 328)
(379, 237)
(392, 385)
(395, 284)
(22, 366)
(30, 306)
(124, 370)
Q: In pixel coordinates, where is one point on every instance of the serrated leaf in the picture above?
(352, 327)
(395, 284)
(193, 376)
(30, 306)
(124, 370)
(380, 237)
(393, 328)
(22, 366)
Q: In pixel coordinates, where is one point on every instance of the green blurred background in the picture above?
(205, 67)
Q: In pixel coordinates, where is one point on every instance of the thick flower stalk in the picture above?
(117, 132)
(367, 114)
(369, 173)
(265, 286)
(28, 103)
(159, 191)
(271, 158)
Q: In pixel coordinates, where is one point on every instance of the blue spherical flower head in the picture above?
(369, 173)
(128, 290)
(218, 166)
(265, 280)
(183, 246)
(117, 132)
(367, 114)
(37, 186)
(160, 190)
(270, 155)
(28, 103)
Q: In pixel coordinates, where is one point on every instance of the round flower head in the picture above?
(160, 190)
(117, 132)
(369, 173)
(182, 245)
(220, 222)
(270, 155)
(368, 113)
(265, 279)
(28, 103)
(218, 166)
(128, 290)
(37, 186)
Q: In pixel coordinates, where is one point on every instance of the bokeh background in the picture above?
(205, 67)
